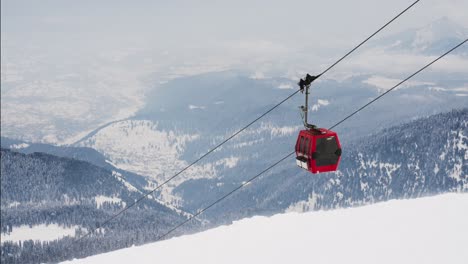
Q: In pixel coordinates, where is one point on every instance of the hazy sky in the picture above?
(217, 34)
(186, 24)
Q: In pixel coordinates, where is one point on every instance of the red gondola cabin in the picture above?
(318, 150)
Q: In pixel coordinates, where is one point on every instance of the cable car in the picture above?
(317, 149)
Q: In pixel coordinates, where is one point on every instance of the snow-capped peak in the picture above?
(435, 37)
(439, 30)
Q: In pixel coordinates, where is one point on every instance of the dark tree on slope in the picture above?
(43, 189)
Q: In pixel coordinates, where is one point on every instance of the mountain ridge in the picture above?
(40, 188)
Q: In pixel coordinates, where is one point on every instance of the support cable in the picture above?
(238, 132)
(290, 154)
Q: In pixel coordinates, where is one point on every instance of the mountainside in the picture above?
(424, 157)
(43, 193)
(178, 124)
(426, 230)
(79, 153)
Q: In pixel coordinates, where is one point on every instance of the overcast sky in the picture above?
(214, 33)
(181, 24)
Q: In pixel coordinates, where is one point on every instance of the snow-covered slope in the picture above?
(48, 201)
(425, 230)
(143, 147)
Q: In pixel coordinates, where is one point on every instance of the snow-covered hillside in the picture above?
(142, 147)
(425, 230)
(47, 201)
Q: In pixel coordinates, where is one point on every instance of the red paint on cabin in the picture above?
(318, 150)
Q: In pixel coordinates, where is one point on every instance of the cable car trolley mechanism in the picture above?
(317, 149)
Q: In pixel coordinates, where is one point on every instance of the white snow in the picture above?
(258, 75)
(442, 156)
(129, 186)
(364, 186)
(284, 130)
(248, 143)
(456, 172)
(459, 144)
(455, 89)
(13, 204)
(69, 201)
(191, 107)
(285, 86)
(101, 199)
(275, 131)
(426, 230)
(40, 232)
(142, 147)
(304, 206)
(19, 146)
(374, 164)
(320, 103)
(389, 168)
(384, 83)
(230, 162)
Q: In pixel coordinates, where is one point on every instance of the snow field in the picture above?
(425, 230)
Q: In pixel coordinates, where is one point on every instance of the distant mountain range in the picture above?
(432, 39)
(66, 104)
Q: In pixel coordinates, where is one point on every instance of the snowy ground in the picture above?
(426, 230)
(40, 232)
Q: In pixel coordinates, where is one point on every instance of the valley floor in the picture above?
(424, 230)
